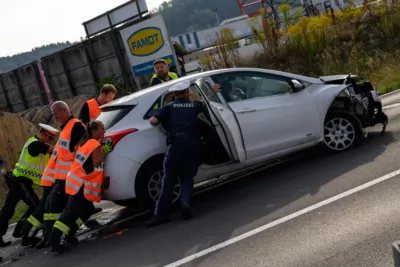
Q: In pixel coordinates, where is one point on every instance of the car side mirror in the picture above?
(297, 86)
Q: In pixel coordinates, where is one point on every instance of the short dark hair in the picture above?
(108, 88)
(160, 61)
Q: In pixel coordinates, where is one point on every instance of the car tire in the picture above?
(148, 183)
(342, 131)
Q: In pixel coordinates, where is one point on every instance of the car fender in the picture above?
(324, 95)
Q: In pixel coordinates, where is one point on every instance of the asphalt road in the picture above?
(305, 209)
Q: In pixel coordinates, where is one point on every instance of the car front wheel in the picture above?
(342, 131)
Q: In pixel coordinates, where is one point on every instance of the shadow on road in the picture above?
(222, 213)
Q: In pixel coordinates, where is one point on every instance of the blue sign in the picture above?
(147, 67)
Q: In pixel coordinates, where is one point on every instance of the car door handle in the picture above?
(247, 110)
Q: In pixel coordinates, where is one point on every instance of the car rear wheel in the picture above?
(342, 131)
(149, 184)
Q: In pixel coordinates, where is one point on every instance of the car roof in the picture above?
(132, 99)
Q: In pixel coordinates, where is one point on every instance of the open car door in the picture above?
(223, 119)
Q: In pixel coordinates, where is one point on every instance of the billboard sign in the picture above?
(145, 42)
(126, 12)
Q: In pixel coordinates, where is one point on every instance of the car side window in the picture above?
(153, 109)
(206, 88)
(195, 95)
(241, 86)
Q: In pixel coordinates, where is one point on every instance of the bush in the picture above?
(359, 40)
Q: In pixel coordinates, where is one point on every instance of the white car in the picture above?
(259, 116)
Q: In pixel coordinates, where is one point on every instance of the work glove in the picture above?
(107, 148)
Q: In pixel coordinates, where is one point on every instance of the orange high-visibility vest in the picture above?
(78, 177)
(48, 173)
(64, 158)
(94, 108)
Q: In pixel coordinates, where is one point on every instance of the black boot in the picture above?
(155, 221)
(57, 242)
(58, 248)
(72, 242)
(30, 241)
(44, 243)
(186, 211)
(4, 244)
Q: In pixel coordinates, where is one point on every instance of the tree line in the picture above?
(12, 62)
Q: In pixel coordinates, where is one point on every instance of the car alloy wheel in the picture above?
(339, 134)
(155, 184)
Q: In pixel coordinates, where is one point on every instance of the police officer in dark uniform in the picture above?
(182, 158)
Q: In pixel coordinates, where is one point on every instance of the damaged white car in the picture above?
(259, 116)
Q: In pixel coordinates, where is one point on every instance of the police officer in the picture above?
(162, 73)
(91, 108)
(182, 158)
(72, 131)
(33, 159)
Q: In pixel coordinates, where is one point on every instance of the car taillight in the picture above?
(114, 138)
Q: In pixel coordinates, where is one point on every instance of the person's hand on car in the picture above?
(216, 88)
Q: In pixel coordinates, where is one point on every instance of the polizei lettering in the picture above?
(149, 40)
(183, 105)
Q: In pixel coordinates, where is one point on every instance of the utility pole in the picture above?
(216, 15)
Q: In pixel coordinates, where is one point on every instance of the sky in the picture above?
(26, 24)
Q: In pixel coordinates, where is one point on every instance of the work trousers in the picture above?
(35, 221)
(55, 205)
(181, 160)
(70, 220)
(19, 188)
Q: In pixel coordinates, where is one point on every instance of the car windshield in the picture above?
(111, 115)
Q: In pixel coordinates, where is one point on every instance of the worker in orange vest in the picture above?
(89, 111)
(57, 169)
(83, 185)
(91, 108)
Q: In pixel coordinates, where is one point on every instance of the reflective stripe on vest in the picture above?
(77, 176)
(48, 173)
(94, 109)
(29, 166)
(172, 75)
(65, 157)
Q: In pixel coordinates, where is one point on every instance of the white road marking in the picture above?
(283, 220)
